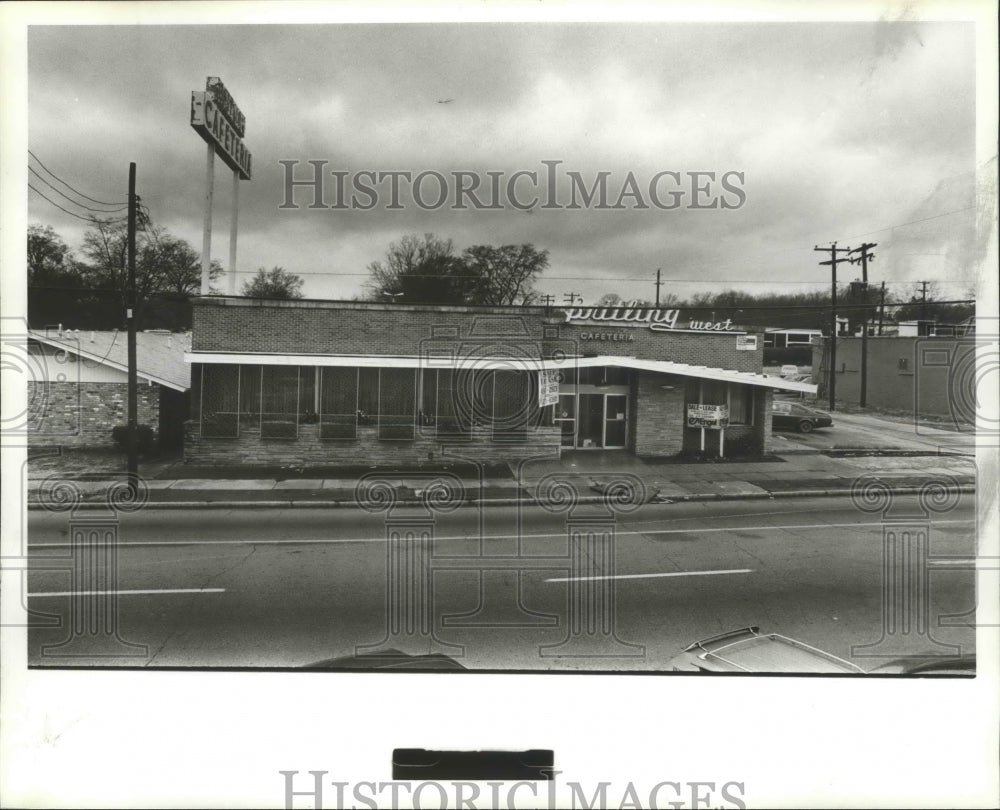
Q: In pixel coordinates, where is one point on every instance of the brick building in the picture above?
(325, 382)
(79, 389)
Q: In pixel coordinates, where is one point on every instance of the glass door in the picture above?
(566, 417)
(591, 420)
(614, 420)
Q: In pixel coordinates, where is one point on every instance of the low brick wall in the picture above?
(71, 414)
(308, 449)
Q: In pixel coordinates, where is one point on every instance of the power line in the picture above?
(78, 216)
(913, 222)
(80, 193)
(680, 305)
(71, 200)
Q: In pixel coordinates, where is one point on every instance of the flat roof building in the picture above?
(311, 382)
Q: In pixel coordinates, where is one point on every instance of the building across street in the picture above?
(329, 382)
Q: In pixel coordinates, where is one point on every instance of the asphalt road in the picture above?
(283, 588)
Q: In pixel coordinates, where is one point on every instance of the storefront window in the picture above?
(220, 396)
(452, 417)
(338, 403)
(367, 396)
(279, 418)
(249, 397)
(307, 394)
(604, 375)
(740, 404)
(396, 403)
(513, 400)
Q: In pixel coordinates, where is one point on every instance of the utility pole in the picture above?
(833, 261)
(923, 302)
(658, 283)
(130, 306)
(571, 298)
(881, 309)
(864, 257)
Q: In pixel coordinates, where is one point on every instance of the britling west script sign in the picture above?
(631, 314)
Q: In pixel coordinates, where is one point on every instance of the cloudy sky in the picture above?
(842, 131)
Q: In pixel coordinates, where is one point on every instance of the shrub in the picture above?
(145, 439)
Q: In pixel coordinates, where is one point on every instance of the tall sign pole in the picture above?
(130, 306)
(219, 121)
(233, 220)
(206, 237)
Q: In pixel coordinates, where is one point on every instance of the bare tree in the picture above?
(274, 283)
(505, 275)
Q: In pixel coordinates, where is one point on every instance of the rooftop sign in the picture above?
(632, 314)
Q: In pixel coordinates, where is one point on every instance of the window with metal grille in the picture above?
(220, 397)
(338, 403)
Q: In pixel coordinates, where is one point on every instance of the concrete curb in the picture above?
(908, 489)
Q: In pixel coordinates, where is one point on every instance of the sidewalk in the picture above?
(590, 474)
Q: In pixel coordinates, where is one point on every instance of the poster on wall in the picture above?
(548, 388)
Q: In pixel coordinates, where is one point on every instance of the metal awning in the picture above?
(512, 363)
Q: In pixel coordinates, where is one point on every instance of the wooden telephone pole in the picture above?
(130, 307)
(833, 261)
(864, 257)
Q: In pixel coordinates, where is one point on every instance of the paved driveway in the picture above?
(867, 431)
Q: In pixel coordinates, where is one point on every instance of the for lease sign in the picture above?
(715, 417)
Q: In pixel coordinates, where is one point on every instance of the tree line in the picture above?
(88, 290)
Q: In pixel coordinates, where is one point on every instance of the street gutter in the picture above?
(905, 489)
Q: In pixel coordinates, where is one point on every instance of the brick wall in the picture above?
(305, 327)
(224, 325)
(309, 450)
(659, 415)
(712, 349)
(82, 414)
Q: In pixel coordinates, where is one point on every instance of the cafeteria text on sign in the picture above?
(208, 120)
(632, 314)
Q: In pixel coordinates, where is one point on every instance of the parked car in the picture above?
(389, 659)
(962, 666)
(789, 371)
(794, 416)
(750, 651)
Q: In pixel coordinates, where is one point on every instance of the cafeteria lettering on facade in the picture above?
(310, 382)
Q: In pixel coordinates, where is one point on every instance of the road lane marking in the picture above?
(124, 544)
(652, 576)
(130, 592)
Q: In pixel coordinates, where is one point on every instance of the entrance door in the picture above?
(591, 419)
(614, 420)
